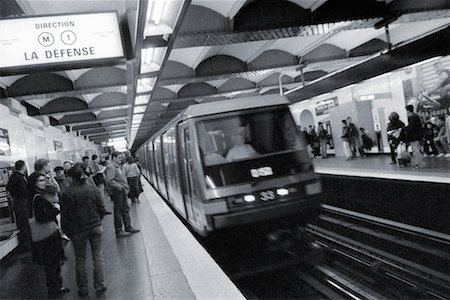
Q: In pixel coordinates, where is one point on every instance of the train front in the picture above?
(256, 169)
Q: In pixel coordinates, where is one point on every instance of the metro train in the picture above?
(233, 163)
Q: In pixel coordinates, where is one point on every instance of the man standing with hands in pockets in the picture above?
(118, 188)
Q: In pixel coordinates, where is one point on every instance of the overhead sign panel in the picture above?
(60, 42)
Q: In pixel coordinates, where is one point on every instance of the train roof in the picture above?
(212, 108)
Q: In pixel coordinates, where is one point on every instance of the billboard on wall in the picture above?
(5, 144)
(429, 91)
(79, 40)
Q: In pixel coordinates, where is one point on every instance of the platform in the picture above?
(436, 170)
(163, 261)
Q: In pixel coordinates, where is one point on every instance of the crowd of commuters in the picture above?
(72, 201)
(418, 139)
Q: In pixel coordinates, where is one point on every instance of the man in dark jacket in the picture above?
(17, 187)
(82, 212)
(414, 132)
(118, 189)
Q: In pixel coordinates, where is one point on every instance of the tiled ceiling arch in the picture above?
(268, 14)
(196, 89)
(69, 104)
(200, 18)
(108, 100)
(235, 84)
(220, 64)
(39, 83)
(77, 118)
(273, 58)
(102, 76)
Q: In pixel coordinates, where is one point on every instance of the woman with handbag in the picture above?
(46, 247)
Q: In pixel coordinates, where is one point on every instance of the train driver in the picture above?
(240, 149)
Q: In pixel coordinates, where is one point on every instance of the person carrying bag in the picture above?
(40, 230)
(46, 248)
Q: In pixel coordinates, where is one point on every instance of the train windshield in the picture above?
(243, 147)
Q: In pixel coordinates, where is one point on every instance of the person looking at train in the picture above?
(346, 140)
(132, 172)
(82, 212)
(17, 187)
(118, 189)
(240, 149)
(322, 133)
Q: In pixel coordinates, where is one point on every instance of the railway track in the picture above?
(400, 259)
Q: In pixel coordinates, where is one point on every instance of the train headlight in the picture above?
(249, 198)
(282, 192)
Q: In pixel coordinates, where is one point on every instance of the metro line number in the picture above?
(261, 172)
(267, 195)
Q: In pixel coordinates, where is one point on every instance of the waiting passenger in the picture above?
(49, 251)
(367, 142)
(82, 211)
(428, 137)
(67, 165)
(395, 133)
(61, 179)
(353, 135)
(132, 172)
(414, 132)
(118, 189)
(87, 166)
(240, 150)
(17, 187)
(346, 140)
(322, 133)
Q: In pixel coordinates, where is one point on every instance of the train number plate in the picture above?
(267, 195)
(261, 172)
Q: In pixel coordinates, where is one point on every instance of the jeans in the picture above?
(79, 240)
(347, 149)
(121, 213)
(20, 207)
(53, 278)
(417, 156)
(323, 147)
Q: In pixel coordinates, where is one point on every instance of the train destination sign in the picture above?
(59, 40)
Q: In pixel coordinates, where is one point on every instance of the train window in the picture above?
(241, 140)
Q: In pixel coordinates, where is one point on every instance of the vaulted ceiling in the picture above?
(188, 52)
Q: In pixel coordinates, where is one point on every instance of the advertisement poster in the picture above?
(5, 145)
(430, 91)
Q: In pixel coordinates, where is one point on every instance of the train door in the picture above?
(187, 170)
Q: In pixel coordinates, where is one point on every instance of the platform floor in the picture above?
(146, 265)
(378, 166)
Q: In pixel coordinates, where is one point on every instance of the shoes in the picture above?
(101, 291)
(122, 234)
(107, 213)
(133, 230)
(58, 293)
(440, 155)
(432, 155)
(65, 237)
(447, 155)
(83, 294)
(425, 155)
(393, 163)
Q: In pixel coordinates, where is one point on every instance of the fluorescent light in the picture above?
(158, 10)
(139, 109)
(141, 100)
(147, 55)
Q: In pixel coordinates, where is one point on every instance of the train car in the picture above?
(233, 163)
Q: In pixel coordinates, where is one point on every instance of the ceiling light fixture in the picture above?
(158, 10)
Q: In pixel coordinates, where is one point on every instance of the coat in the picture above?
(115, 180)
(414, 129)
(49, 251)
(82, 208)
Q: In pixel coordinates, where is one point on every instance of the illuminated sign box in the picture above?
(59, 42)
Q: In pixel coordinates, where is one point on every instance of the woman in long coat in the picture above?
(48, 252)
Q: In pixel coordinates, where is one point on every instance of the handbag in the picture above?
(39, 230)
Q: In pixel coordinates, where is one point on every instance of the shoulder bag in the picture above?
(40, 230)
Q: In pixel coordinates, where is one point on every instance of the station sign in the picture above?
(63, 41)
